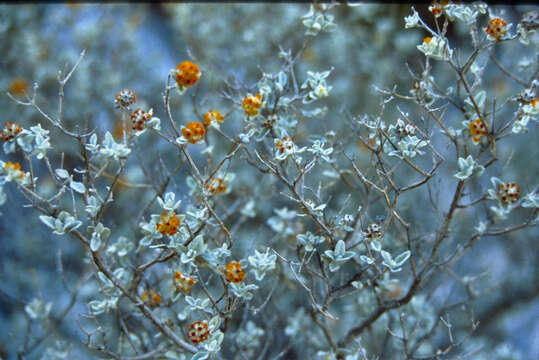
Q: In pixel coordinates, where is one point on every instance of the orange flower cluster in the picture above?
(151, 297)
(251, 104)
(497, 28)
(198, 332)
(169, 223)
(194, 132)
(187, 74)
(183, 283)
(14, 167)
(509, 193)
(211, 116)
(234, 272)
(216, 186)
(125, 98)
(10, 131)
(139, 118)
(478, 128)
(18, 87)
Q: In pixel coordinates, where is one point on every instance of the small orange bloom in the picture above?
(182, 282)
(194, 132)
(234, 272)
(187, 74)
(198, 332)
(427, 40)
(169, 223)
(18, 87)
(211, 116)
(496, 28)
(478, 128)
(10, 131)
(216, 186)
(13, 166)
(151, 297)
(251, 104)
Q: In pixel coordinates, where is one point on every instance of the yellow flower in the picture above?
(251, 104)
(213, 116)
(169, 223)
(478, 128)
(234, 272)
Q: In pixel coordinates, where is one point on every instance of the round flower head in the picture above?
(187, 74)
(251, 104)
(139, 118)
(10, 131)
(508, 193)
(198, 332)
(194, 132)
(234, 272)
(478, 128)
(125, 98)
(183, 283)
(18, 87)
(213, 116)
(496, 28)
(169, 223)
(374, 231)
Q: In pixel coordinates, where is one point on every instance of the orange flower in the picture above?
(18, 87)
(427, 40)
(234, 272)
(478, 128)
(212, 116)
(151, 297)
(182, 282)
(216, 186)
(198, 332)
(10, 131)
(496, 28)
(251, 104)
(187, 74)
(169, 223)
(194, 132)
